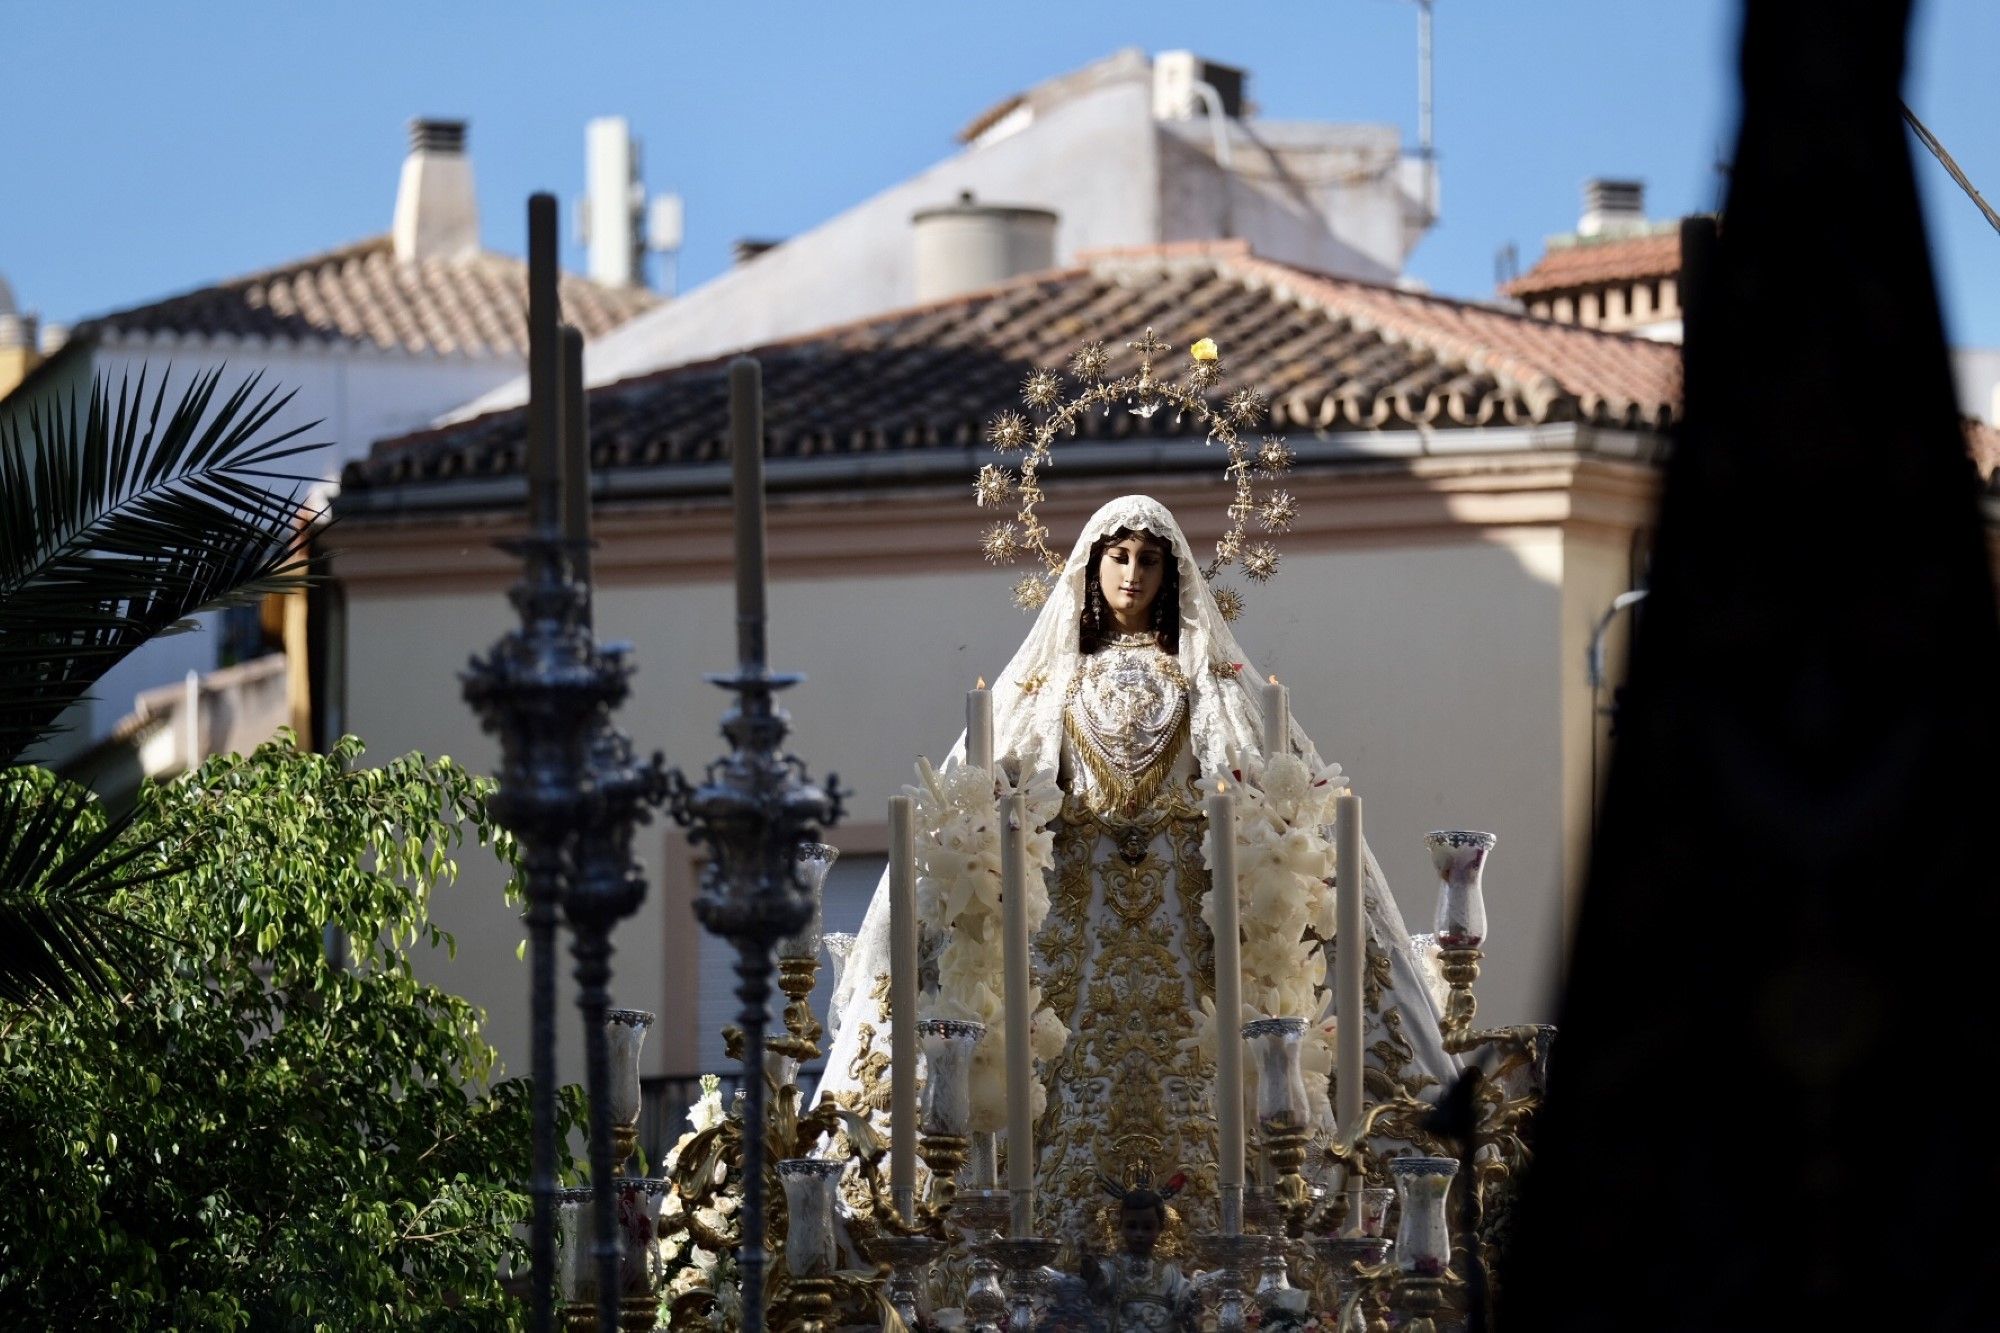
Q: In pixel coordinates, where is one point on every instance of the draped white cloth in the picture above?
(1028, 700)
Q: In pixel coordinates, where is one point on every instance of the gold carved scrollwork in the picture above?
(1125, 957)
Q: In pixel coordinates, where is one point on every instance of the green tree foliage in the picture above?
(260, 1137)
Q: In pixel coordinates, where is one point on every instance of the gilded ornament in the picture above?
(1030, 593)
(1090, 361)
(994, 486)
(1041, 389)
(1230, 603)
(1245, 407)
(1260, 562)
(1001, 543)
(1278, 511)
(1274, 456)
(1007, 432)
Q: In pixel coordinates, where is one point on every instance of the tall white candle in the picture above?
(1277, 719)
(746, 448)
(979, 726)
(1020, 1069)
(1221, 811)
(903, 1006)
(1351, 953)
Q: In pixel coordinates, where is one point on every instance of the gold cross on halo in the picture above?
(1149, 347)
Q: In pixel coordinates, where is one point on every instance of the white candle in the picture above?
(979, 726)
(746, 448)
(903, 1007)
(1351, 953)
(1221, 811)
(1020, 1070)
(1277, 719)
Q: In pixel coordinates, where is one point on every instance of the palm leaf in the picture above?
(60, 938)
(122, 518)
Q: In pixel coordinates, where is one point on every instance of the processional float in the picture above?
(820, 1237)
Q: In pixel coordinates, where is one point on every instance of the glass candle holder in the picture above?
(1276, 1045)
(1460, 858)
(782, 1070)
(1375, 1201)
(813, 862)
(1423, 1236)
(947, 1097)
(810, 1184)
(576, 1272)
(625, 1034)
(640, 1199)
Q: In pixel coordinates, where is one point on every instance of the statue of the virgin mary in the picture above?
(1132, 687)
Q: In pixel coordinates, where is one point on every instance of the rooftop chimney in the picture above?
(437, 214)
(968, 245)
(1612, 208)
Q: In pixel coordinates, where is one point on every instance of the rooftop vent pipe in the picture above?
(968, 245)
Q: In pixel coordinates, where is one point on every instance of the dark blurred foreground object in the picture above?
(1761, 1112)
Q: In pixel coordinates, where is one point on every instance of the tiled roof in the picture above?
(1594, 263)
(1329, 354)
(361, 293)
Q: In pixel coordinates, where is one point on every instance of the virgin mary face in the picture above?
(1129, 576)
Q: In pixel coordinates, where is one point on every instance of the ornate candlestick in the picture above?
(625, 1034)
(1460, 858)
(810, 1251)
(576, 1276)
(753, 809)
(1023, 1258)
(569, 789)
(1354, 1273)
(639, 1201)
(1229, 1256)
(1423, 1240)
(947, 1101)
(1283, 1112)
(798, 959)
(909, 1259)
(982, 1215)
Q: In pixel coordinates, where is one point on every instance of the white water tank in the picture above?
(964, 246)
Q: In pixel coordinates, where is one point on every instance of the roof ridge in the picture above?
(1380, 304)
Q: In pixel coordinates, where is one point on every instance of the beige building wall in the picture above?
(1425, 625)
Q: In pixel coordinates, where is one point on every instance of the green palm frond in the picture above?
(120, 520)
(60, 866)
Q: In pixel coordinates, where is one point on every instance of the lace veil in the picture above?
(1027, 723)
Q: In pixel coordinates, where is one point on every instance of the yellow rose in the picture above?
(1204, 350)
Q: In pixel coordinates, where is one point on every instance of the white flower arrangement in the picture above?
(1284, 865)
(686, 1265)
(958, 902)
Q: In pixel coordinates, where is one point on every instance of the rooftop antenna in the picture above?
(1426, 107)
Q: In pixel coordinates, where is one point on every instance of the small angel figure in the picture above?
(1141, 1294)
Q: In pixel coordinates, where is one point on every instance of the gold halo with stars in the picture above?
(1055, 409)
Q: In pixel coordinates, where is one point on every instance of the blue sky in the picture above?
(153, 148)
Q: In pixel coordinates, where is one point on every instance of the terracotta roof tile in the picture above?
(361, 293)
(1328, 353)
(1591, 263)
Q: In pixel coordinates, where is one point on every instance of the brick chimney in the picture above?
(437, 213)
